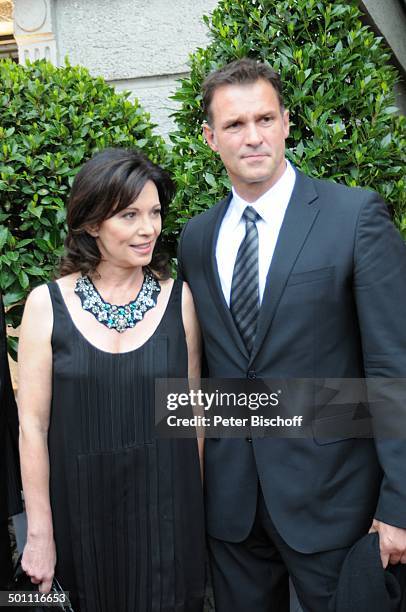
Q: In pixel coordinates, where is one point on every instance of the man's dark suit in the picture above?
(334, 306)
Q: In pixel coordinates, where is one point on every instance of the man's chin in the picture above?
(259, 178)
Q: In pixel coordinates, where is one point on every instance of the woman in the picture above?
(118, 511)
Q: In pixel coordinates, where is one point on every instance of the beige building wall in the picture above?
(141, 46)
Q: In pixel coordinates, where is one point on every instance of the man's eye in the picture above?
(266, 119)
(234, 125)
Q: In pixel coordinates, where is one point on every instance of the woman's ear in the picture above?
(93, 230)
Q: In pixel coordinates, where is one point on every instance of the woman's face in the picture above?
(127, 239)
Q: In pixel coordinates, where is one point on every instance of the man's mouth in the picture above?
(255, 156)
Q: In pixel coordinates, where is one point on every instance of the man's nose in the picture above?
(253, 135)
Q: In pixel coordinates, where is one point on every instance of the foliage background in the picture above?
(52, 121)
(338, 86)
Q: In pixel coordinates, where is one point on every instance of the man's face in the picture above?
(248, 130)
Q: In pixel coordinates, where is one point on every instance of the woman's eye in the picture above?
(129, 215)
(156, 212)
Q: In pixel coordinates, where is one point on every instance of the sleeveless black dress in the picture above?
(127, 508)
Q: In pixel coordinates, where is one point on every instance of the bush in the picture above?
(338, 86)
(52, 121)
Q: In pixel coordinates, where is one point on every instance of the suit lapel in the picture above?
(213, 279)
(300, 215)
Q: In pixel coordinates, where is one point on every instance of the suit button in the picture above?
(249, 439)
(252, 374)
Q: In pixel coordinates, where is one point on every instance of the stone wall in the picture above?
(137, 45)
(388, 19)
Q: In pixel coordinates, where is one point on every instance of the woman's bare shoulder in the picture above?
(38, 299)
(67, 283)
(37, 320)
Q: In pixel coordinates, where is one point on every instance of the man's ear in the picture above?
(286, 122)
(210, 136)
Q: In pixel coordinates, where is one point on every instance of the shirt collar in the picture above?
(277, 196)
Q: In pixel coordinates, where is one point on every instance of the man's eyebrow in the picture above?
(234, 119)
(265, 113)
(272, 112)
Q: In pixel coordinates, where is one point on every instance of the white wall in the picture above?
(137, 45)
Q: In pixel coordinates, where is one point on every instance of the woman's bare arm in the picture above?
(194, 349)
(34, 402)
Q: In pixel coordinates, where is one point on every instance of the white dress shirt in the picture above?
(271, 207)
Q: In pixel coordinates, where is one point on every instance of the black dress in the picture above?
(127, 508)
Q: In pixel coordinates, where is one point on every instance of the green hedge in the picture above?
(52, 121)
(338, 86)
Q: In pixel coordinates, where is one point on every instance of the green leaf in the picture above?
(389, 110)
(24, 242)
(3, 236)
(210, 179)
(11, 298)
(35, 271)
(12, 346)
(386, 140)
(23, 278)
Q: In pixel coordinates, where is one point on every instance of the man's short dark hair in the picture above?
(239, 72)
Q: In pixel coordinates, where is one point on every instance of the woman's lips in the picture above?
(142, 248)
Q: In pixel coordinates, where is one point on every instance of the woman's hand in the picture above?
(38, 562)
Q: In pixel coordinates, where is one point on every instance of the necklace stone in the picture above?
(115, 317)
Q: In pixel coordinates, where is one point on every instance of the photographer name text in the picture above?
(220, 421)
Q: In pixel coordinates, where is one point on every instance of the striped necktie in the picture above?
(244, 301)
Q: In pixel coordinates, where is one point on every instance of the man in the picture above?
(299, 278)
(10, 483)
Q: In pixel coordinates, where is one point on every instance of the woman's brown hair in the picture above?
(107, 183)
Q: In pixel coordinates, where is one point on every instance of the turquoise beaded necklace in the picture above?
(116, 317)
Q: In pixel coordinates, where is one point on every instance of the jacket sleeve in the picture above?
(380, 294)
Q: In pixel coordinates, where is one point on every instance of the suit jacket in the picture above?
(333, 307)
(10, 481)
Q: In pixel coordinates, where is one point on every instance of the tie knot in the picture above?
(250, 214)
